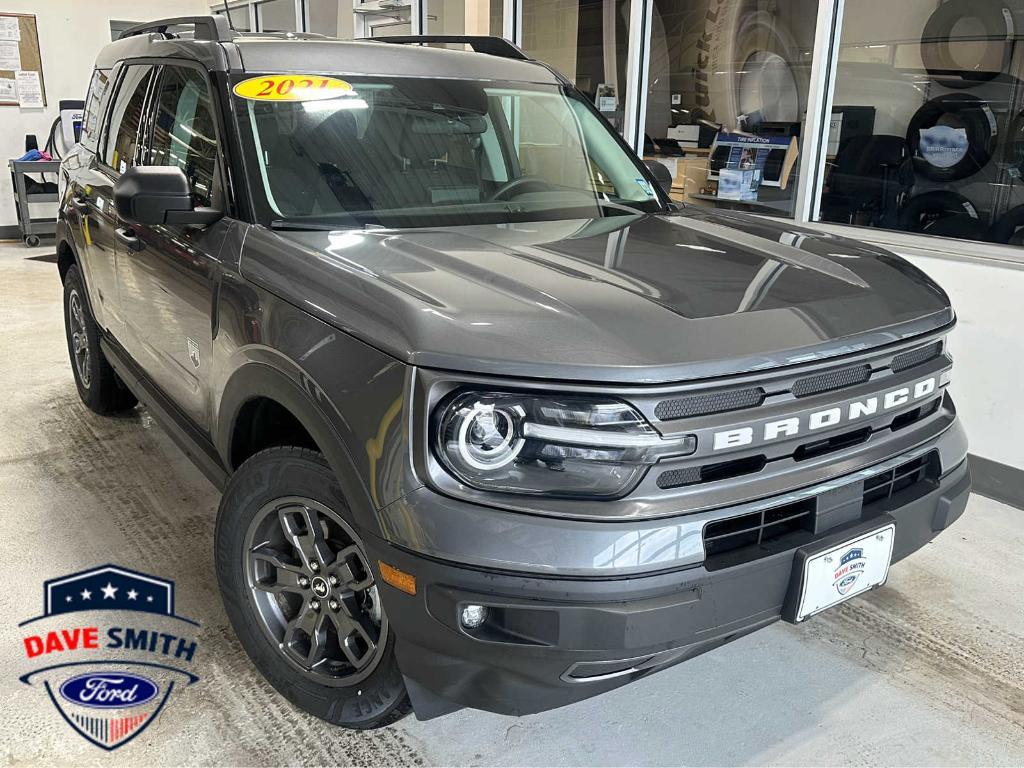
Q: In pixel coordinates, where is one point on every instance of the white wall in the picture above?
(988, 350)
(71, 33)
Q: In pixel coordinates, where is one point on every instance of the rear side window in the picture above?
(94, 102)
(126, 116)
(184, 132)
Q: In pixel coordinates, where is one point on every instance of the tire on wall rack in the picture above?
(994, 16)
(1008, 228)
(941, 212)
(954, 112)
(761, 65)
(1013, 145)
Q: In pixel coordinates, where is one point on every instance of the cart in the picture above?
(32, 228)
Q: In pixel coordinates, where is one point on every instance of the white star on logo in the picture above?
(67, 599)
(149, 598)
(86, 594)
(132, 594)
(109, 591)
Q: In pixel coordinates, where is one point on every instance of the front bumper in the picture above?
(551, 640)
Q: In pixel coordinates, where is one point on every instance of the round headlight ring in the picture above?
(488, 437)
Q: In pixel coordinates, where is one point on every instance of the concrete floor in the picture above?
(927, 671)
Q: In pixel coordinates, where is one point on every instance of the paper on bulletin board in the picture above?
(10, 55)
(9, 28)
(8, 90)
(30, 89)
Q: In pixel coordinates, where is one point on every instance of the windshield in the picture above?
(412, 152)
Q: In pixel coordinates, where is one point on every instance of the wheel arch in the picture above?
(66, 257)
(289, 409)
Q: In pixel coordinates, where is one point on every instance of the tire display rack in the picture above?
(945, 200)
(31, 228)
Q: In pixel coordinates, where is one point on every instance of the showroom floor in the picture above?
(927, 671)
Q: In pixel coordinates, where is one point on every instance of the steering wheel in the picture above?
(522, 184)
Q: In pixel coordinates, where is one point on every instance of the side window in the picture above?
(94, 102)
(184, 133)
(126, 116)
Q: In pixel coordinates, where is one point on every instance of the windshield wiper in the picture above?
(287, 225)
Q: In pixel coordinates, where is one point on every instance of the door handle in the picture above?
(80, 205)
(127, 236)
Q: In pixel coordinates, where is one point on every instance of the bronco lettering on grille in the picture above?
(828, 417)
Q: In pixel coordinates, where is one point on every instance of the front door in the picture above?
(168, 280)
(93, 190)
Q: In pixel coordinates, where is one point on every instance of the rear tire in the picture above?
(98, 386)
(283, 531)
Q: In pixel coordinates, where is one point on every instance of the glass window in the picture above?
(404, 152)
(464, 17)
(398, 27)
(585, 40)
(333, 18)
(727, 99)
(184, 133)
(927, 127)
(126, 116)
(239, 17)
(93, 108)
(277, 16)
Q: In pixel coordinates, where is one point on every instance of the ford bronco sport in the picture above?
(497, 424)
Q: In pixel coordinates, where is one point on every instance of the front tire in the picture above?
(98, 386)
(299, 591)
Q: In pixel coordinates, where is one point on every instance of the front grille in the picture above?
(826, 382)
(757, 534)
(708, 402)
(916, 357)
(742, 539)
(904, 483)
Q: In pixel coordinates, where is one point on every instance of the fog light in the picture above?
(473, 616)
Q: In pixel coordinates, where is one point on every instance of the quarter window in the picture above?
(93, 108)
(183, 130)
(126, 117)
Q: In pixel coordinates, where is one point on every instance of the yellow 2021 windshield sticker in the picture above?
(292, 88)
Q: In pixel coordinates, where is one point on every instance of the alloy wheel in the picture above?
(79, 338)
(314, 592)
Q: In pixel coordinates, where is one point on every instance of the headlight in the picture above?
(549, 445)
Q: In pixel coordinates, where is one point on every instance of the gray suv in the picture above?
(497, 424)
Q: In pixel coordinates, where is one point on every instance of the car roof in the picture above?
(221, 49)
(295, 54)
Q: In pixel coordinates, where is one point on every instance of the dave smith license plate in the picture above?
(845, 571)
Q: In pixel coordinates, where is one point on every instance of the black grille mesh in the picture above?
(709, 473)
(916, 357)
(675, 478)
(708, 402)
(826, 382)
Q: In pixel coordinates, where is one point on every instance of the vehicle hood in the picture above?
(639, 299)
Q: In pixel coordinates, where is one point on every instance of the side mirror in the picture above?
(159, 194)
(661, 174)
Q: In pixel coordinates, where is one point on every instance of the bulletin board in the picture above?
(28, 50)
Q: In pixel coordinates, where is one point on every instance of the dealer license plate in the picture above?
(845, 571)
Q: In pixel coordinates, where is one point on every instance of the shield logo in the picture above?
(111, 698)
(851, 566)
(193, 351)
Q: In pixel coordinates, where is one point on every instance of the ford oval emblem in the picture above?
(109, 690)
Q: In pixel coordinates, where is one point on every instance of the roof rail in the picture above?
(206, 27)
(495, 46)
